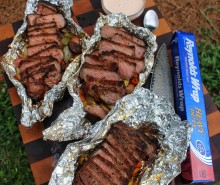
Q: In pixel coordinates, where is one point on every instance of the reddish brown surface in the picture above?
(182, 15)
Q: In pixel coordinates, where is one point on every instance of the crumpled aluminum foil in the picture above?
(31, 112)
(142, 107)
(68, 126)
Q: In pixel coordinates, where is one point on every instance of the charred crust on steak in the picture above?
(115, 159)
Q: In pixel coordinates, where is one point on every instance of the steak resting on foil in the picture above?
(111, 71)
(119, 159)
(43, 64)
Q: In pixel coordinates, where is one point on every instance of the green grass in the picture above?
(209, 55)
(14, 166)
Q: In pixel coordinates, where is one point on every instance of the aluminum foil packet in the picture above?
(68, 126)
(141, 108)
(33, 112)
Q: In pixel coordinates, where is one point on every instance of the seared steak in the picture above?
(139, 50)
(39, 31)
(31, 19)
(138, 62)
(30, 62)
(125, 68)
(57, 18)
(116, 157)
(98, 73)
(108, 32)
(107, 92)
(53, 51)
(44, 38)
(40, 26)
(106, 45)
(34, 49)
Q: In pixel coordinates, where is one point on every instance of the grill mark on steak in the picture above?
(31, 19)
(139, 50)
(110, 169)
(44, 38)
(26, 63)
(122, 148)
(107, 45)
(145, 139)
(88, 178)
(107, 93)
(138, 62)
(126, 69)
(52, 51)
(113, 151)
(99, 74)
(57, 18)
(39, 31)
(105, 82)
(35, 68)
(138, 152)
(122, 156)
(108, 32)
(39, 26)
(112, 159)
(78, 180)
(101, 176)
(34, 49)
(131, 149)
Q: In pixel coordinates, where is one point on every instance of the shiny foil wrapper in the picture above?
(33, 112)
(68, 126)
(141, 108)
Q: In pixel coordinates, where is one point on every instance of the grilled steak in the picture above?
(126, 69)
(138, 62)
(40, 26)
(74, 45)
(31, 19)
(41, 39)
(106, 45)
(30, 62)
(43, 66)
(99, 73)
(57, 18)
(115, 159)
(34, 49)
(53, 51)
(108, 32)
(45, 8)
(139, 50)
(107, 92)
(39, 31)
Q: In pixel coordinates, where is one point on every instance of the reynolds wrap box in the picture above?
(190, 106)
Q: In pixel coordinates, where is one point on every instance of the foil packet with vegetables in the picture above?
(108, 152)
(41, 57)
(118, 59)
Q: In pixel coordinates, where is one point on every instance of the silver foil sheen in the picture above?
(141, 108)
(31, 112)
(77, 129)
